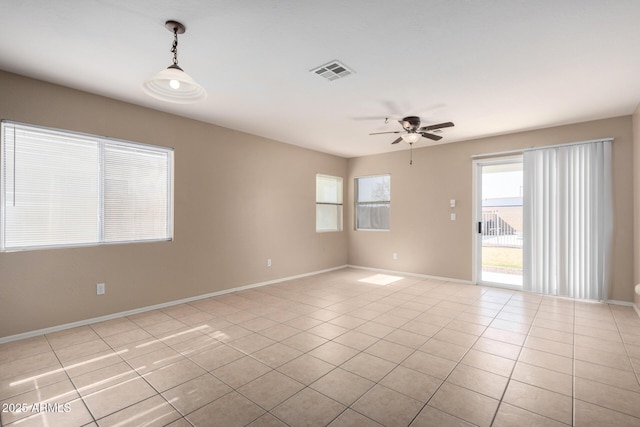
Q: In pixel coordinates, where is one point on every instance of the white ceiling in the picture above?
(490, 66)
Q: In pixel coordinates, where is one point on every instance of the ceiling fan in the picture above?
(413, 131)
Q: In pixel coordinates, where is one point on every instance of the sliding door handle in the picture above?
(479, 227)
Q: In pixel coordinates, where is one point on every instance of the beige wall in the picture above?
(239, 199)
(636, 205)
(428, 242)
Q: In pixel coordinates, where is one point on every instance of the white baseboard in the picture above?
(468, 282)
(236, 289)
(157, 306)
(617, 302)
(422, 276)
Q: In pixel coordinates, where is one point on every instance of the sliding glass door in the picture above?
(499, 222)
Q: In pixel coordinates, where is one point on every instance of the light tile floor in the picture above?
(345, 348)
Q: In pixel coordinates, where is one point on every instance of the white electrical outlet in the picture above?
(100, 289)
(452, 203)
(395, 255)
(453, 217)
(269, 262)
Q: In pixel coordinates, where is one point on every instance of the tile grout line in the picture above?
(80, 397)
(138, 376)
(624, 343)
(445, 379)
(378, 297)
(504, 392)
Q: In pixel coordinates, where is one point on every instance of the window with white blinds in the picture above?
(373, 202)
(328, 203)
(62, 188)
(136, 192)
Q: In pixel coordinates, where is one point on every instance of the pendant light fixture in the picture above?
(173, 84)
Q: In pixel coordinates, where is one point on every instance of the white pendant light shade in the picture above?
(174, 85)
(411, 137)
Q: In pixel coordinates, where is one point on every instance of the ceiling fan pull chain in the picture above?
(410, 154)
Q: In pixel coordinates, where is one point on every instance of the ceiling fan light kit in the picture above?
(413, 132)
(173, 84)
(410, 138)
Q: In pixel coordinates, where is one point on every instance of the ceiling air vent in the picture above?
(333, 70)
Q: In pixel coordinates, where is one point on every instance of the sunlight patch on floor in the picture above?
(381, 279)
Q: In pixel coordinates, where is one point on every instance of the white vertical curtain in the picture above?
(568, 220)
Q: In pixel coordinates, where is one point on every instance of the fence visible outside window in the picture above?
(328, 203)
(62, 188)
(373, 201)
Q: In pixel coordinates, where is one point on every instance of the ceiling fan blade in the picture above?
(381, 133)
(438, 126)
(430, 136)
(396, 141)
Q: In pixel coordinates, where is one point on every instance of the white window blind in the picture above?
(328, 203)
(62, 188)
(136, 193)
(568, 220)
(373, 201)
